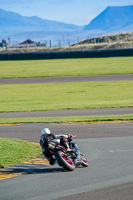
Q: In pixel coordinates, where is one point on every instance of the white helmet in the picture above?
(45, 131)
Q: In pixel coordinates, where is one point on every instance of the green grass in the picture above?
(64, 96)
(66, 67)
(88, 119)
(13, 151)
(60, 96)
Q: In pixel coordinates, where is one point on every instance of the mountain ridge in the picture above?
(13, 23)
(113, 19)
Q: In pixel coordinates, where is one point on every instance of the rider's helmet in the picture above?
(45, 131)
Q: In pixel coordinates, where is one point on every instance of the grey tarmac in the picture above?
(62, 113)
(109, 149)
(118, 192)
(110, 77)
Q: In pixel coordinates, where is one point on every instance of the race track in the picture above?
(108, 147)
(62, 113)
(115, 77)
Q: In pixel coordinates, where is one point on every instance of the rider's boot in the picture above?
(77, 163)
(52, 161)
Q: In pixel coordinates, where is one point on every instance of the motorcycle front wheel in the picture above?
(64, 161)
(85, 162)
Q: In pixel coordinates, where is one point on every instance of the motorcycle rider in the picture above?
(65, 140)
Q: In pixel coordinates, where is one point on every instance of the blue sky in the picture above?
(79, 12)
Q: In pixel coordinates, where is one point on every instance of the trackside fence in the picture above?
(67, 54)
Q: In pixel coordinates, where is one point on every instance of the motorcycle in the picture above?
(65, 158)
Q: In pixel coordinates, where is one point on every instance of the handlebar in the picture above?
(73, 136)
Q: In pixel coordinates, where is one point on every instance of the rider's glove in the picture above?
(70, 136)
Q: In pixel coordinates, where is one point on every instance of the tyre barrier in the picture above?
(67, 54)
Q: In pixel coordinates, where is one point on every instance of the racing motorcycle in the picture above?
(65, 158)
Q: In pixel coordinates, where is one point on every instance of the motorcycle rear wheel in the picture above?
(64, 161)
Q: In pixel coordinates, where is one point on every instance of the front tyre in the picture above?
(64, 161)
(85, 162)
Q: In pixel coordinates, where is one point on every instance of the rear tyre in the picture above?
(85, 162)
(64, 161)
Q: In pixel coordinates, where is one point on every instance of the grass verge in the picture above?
(65, 96)
(66, 67)
(87, 119)
(13, 151)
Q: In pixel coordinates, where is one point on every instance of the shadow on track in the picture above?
(33, 169)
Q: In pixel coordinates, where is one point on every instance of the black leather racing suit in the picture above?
(46, 138)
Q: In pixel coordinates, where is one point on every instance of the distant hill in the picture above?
(13, 23)
(19, 28)
(113, 19)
